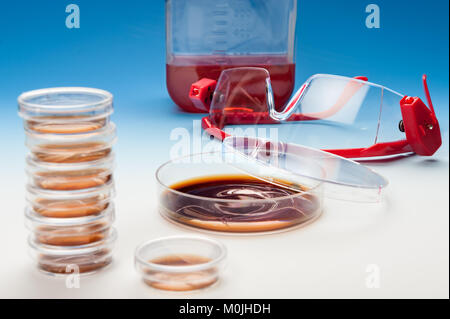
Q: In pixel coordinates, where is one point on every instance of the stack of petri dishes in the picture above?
(70, 188)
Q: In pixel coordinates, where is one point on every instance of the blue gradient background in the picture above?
(120, 47)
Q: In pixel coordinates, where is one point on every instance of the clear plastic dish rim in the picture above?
(34, 164)
(72, 194)
(82, 107)
(167, 188)
(37, 220)
(73, 250)
(180, 269)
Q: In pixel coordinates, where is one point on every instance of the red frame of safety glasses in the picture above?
(419, 123)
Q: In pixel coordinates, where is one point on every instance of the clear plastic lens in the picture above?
(240, 97)
(346, 112)
(328, 112)
(243, 88)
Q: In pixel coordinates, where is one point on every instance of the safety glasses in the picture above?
(350, 117)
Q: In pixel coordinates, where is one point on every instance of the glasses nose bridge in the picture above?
(291, 106)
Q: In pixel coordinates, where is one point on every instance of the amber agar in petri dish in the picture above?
(73, 176)
(70, 204)
(70, 231)
(65, 110)
(64, 260)
(180, 263)
(65, 124)
(70, 177)
(72, 148)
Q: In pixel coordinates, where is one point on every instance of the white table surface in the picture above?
(406, 236)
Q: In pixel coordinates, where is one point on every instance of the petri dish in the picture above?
(65, 110)
(69, 204)
(66, 260)
(207, 191)
(70, 231)
(72, 148)
(180, 263)
(344, 179)
(72, 176)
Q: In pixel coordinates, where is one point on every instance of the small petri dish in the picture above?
(70, 204)
(72, 176)
(70, 231)
(180, 263)
(72, 148)
(66, 260)
(207, 192)
(65, 110)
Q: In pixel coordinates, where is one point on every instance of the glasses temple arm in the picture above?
(427, 93)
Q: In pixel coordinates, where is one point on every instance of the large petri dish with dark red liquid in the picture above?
(208, 191)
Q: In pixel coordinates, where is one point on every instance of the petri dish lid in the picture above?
(89, 102)
(296, 167)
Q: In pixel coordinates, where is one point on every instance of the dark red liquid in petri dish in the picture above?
(238, 204)
(182, 72)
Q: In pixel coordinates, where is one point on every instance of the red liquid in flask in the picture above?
(182, 72)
